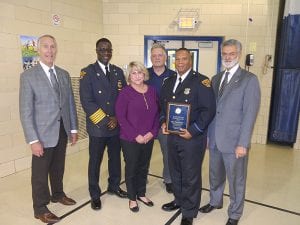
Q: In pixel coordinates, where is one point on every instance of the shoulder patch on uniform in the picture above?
(206, 82)
(82, 74)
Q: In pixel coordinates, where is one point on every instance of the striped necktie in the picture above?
(224, 84)
(54, 82)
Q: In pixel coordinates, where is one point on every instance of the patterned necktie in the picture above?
(54, 82)
(179, 83)
(224, 83)
(107, 73)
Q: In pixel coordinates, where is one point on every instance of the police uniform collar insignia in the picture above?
(206, 83)
(82, 74)
(187, 91)
(115, 71)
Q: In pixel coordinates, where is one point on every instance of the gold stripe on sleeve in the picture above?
(97, 116)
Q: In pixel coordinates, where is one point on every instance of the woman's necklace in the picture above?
(145, 100)
(142, 89)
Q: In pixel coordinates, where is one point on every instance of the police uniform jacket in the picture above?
(196, 91)
(98, 95)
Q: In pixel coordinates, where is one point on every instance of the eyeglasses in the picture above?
(104, 50)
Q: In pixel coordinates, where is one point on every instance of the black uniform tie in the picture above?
(107, 73)
(179, 83)
(224, 83)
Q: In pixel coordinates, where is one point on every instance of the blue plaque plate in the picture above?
(178, 116)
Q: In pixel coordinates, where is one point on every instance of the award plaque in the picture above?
(178, 116)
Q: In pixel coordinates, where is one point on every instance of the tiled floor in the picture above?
(273, 194)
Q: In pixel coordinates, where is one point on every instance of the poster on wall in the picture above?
(29, 51)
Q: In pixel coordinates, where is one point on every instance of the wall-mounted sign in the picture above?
(205, 44)
(56, 20)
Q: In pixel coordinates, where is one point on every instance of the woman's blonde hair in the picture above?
(140, 68)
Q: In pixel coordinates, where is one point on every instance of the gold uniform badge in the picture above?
(120, 86)
(82, 74)
(206, 83)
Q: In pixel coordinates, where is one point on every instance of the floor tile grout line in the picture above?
(169, 222)
(173, 218)
(81, 206)
(250, 201)
(178, 212)
(264, 205)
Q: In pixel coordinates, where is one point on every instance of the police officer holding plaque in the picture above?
(188, 106)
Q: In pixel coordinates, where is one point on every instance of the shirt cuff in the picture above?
(32, 142)
(74, 131)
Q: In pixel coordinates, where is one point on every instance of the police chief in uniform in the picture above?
(186, 149)
(100, 84)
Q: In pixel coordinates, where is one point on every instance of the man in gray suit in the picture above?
(48, 116)
(229, 135)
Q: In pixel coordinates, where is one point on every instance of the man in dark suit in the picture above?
(186, 149)
(100, 84)
(229, 134)
(48, 116)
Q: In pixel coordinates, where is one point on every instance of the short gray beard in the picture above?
(231, 64)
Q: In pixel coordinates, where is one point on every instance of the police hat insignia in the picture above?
(206, 82)
(82, 74)
(187, 91)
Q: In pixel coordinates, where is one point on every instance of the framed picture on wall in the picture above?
(29, 51)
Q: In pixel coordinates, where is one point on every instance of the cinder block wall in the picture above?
(81, 26)
(125, 23)
(253, 22)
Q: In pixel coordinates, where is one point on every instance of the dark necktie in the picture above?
(107, 74)
(224, 83)
(54, 82)
(179, 83)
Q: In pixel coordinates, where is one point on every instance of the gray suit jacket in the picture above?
(236, 112)
(41, 110)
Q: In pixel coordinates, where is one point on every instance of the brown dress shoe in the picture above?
(47, 217)
(64, 200)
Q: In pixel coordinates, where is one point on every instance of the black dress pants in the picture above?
(52, 165)
(137, 160)
(96, 149)
(185, 163)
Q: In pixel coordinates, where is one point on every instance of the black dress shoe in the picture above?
(149, 203)
(120, 193)
(186, 221)
(169, 188)
(96, 204)
(232, 222)
(170, 206)
(135, 208)
(208, 208)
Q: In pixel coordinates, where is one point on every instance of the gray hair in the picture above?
(157, 45)
(232, 42)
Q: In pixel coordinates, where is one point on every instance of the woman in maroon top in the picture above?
(137, 114)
